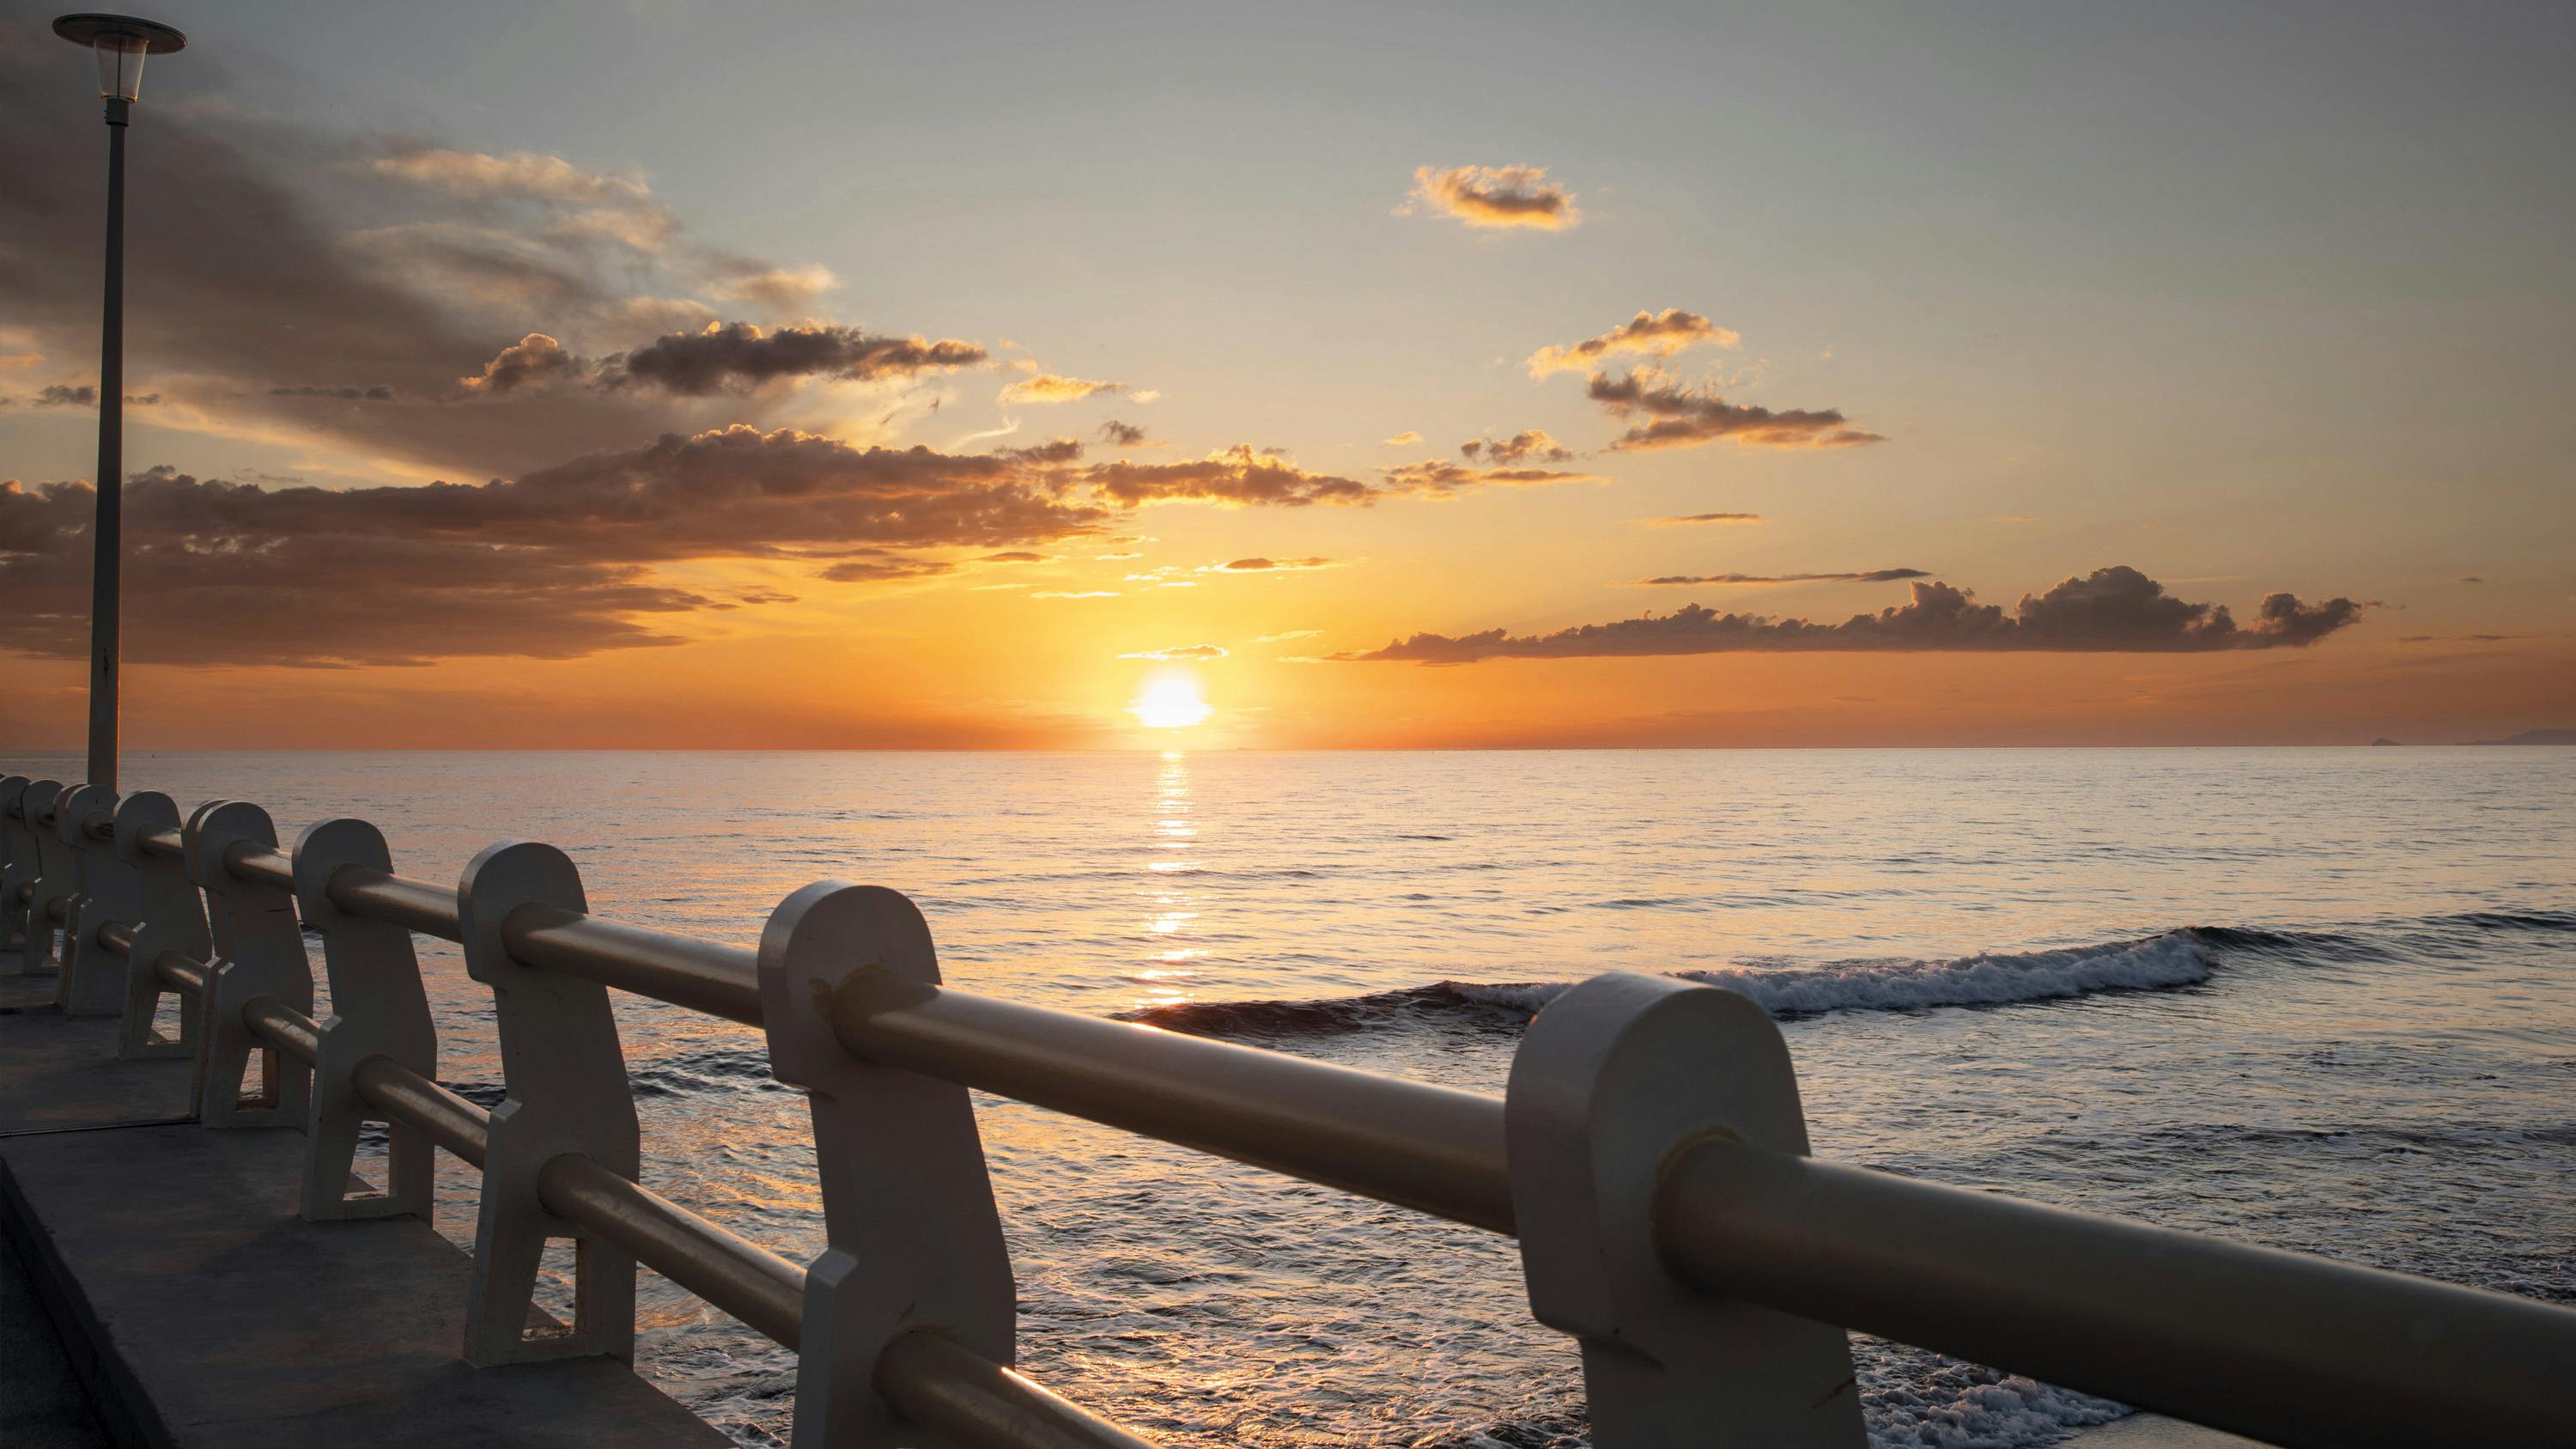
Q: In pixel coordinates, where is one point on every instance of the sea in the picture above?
(2317, 999)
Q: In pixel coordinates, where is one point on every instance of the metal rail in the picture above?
(934, 1380)
(2292, 1349)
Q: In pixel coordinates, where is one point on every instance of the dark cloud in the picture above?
(1123, 435)
(1015, 556)
(2111, 610)
(1237, 475)
(552, 564)
(1871, 576)
(737, 354)
(1530, 443)
(1061, 450)
(84, 395)
(248, 594)
(1686, 519)
(378, 393)
(1653, 334)
(1680, 417)
(1499, 196)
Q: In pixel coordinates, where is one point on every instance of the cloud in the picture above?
(1651, 334)
(1077, 594)
(781, 289)
(1237, 475)
(729, 354)
(377, 393)
(1054, 450)
(1012, 556)
(1124, 435)
(1684, 520)
(1493, 196)
(1268, 566)
(553, 564)
(1292, 634)
(583, 206)
(877, 566)
(535, 358)
(85, 395)
(2111, 610)
(1531, 443)
(1185, 651)
(1049, 387)
(279, 266)
(1405, 439)
(1437, 479)
(1871, 576)
(1680, 417)
(519, 174)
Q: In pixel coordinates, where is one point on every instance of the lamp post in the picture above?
(120, 42)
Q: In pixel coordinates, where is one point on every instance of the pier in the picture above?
(183, 1188)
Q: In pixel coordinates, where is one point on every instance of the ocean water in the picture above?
(2318, 999)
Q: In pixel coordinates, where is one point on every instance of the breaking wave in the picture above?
(2158, 963)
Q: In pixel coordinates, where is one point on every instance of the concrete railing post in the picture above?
(378, 1009)
(1613, 1077)
(93, 982)
(56, 877)
(564, 1076)
(171, 916)
(915, 1240)
(17, 870)
(258, 951)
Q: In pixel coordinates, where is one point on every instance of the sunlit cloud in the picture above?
(1405, 439)
(1182, 651)
(2111, 610)
(1438, 479)
(1291, 635)
(1649, 334)
(1270, 565)
(1533, 444)
(1050, 387)
(784, 290)
(1686, 520)
(535, 358)
(1493, 196)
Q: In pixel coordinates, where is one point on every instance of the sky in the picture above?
(666, 375)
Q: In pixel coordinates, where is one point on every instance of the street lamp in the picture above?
(120, 43)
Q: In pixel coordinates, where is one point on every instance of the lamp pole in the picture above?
(120, 42)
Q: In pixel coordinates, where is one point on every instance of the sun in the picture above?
(1170, 702)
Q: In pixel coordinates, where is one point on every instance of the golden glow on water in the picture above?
(1170, 914)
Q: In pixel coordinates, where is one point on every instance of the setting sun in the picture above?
(1170, 702)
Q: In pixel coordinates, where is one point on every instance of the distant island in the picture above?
(2533, 737)
(2382, 740)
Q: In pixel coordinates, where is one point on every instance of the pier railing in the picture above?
(1649, 1154)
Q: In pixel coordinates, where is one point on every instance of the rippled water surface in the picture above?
(2323, 1000)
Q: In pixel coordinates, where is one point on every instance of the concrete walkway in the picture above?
(198, 1310)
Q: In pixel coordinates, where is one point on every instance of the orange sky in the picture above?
(2011, 412)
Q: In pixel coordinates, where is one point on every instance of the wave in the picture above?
(2164, 962)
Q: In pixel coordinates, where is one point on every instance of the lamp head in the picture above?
(120, 42)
